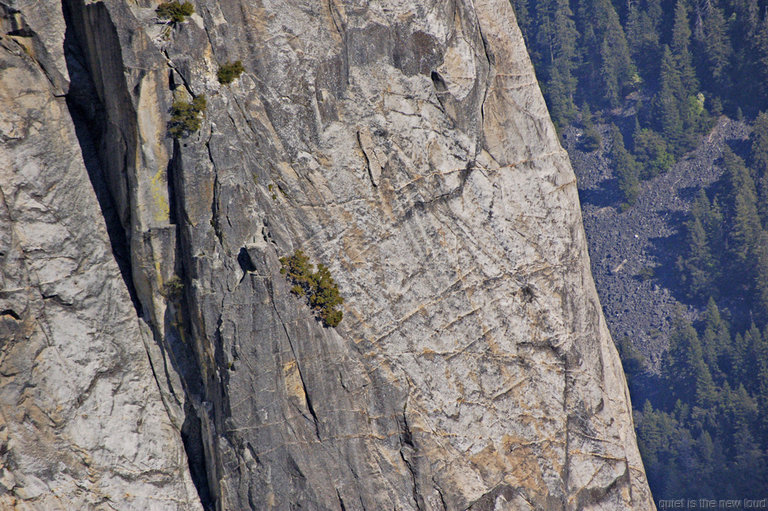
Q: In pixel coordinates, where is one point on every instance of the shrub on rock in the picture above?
(318, 286)
(175, 11)
(230, 72)
(185, 117)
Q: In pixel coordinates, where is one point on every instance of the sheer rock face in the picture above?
(406, 146)
(82, 423)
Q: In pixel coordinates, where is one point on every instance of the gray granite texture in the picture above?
(403, 144)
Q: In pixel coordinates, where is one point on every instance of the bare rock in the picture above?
(406, 146)
(82, 424)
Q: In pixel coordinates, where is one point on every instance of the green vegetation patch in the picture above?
(317, 285)
(652, 153)
(186, 117)
(705, 431)
(173, 288)
(175, 11)
(230, 72)
(591, 139)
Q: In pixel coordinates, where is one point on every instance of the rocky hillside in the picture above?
(146, 326)
(634, 251)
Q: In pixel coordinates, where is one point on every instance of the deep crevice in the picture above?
(342, 507)
(89, 119)
(10, 312)
(407, 444)
(191, 436)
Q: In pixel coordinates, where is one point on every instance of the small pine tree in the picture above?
(759, 145)
(652, 153)
(761, 277)
(185, 117)
(699, 269)
(318, 286)
(742, 214)
(684, 364)
(716, 341)
(627, 168)
(668, 100)
(717, 47)
(681, 40)
(760, 42)
(175, 11)
(591, 138)
(229, 72)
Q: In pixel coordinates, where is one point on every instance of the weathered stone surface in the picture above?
(82, 425)
(405, 145)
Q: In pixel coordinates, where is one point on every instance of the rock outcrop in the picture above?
(406, 146)
(82, 423)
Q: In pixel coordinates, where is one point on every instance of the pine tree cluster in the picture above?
(705, 435)
(317, 285)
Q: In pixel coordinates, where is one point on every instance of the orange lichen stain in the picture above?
(293, 383)
(516, 463)
(428, 352)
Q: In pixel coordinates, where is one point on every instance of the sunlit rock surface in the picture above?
(406, 146)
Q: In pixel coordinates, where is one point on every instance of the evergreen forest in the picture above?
(658, 74)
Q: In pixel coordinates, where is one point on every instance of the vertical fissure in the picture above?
(89, 119)
(108, 172)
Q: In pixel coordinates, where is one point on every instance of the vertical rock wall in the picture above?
(405, 145)
(82, 423)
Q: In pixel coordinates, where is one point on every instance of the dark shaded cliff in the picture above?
(408, 148)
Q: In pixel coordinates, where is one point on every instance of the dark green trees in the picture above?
(760, 44)
(716, 343)
(744, 223)
(718, 57)
(652, 153)
(726, 252)
(720, 379)
(759, 144)
(699, 270)
(689, 377)
(555, 35)
(700, 437)
(591, 137)
(175, 11)
(680, 105)
(229, 72)
(627, 169)
(716, 48)
(186, 117)
(606, 68)
(680, 46)
(643, 30)
(318, 286)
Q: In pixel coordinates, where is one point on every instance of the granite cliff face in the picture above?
(82, 423)
(403, 144)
